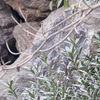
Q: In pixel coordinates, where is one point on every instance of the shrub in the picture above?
(82, 81)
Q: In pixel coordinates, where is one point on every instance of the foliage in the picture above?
(58, 3)
(12, 90)
(81, 82)
(65, 3)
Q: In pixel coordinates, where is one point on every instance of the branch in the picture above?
(26, 20)
(24, 28)
(86, 4)
(30, 56)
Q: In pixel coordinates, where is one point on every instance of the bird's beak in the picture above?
(63, 63)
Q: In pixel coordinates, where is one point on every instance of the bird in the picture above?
(65, 63)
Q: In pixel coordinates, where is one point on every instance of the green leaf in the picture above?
(31, 70)
(30, 94)
(74, 68)
(73, 50)
(73, 42)
(59, 3)
(11, 92)
(88, 58)
(38, 12)
(10, 84)
(38, 98)
(51, 5)
(82, 63)
(95, 93)
(84, 68)
(85, 83)
(70, 59)
(43, 57)
(44, 79)
(77, 57)
(34, 83)
(71, 55)
(66, 3)
(98, 62)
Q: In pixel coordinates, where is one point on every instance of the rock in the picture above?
(2, 98)
(22, 80)
(50, 19)
(6, 27)
(32, 9)
(72, 3)
(54, 55)
(24, 39)
(51, 28)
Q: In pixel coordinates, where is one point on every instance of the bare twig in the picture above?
(67, 34)
(29, 57)
(2, 68)
(24, 28)
(86, 4)
(58, 42)
(26, 20)
(13, 53)
(10, 50)
(82, 10)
